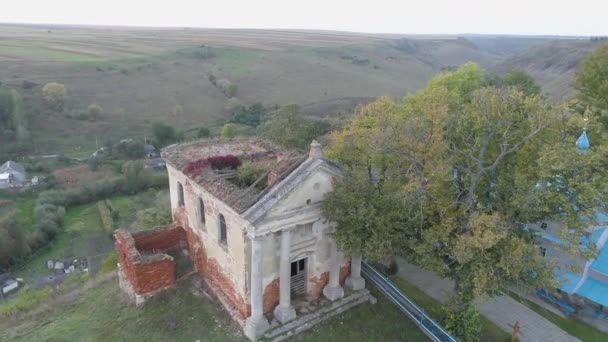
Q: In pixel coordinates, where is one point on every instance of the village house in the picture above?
(263, 248)
(12, 175)
(150, 151)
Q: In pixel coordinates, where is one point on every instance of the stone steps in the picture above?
(307, 321)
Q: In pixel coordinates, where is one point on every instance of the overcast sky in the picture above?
(555, 17)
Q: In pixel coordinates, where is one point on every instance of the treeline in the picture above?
(17, 244)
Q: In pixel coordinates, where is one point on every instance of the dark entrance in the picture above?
(298, 277)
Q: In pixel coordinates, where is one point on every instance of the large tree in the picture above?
(592, 83)
(449, 178)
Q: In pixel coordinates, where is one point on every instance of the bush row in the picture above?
(49, 211)
(107, 214)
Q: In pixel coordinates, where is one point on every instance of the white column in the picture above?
(333, 290)
(256, 324)
(354, 280)
(284, 311)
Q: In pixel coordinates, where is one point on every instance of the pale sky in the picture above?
(552, 17)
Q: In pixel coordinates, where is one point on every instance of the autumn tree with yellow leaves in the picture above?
(450, 177)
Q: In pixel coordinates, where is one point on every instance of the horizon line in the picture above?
(312, 30)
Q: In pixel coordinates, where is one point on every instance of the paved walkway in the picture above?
(503, 311)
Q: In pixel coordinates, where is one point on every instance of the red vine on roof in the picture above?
(196, 167)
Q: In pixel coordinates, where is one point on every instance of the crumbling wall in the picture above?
(148, 273)
(160, 239)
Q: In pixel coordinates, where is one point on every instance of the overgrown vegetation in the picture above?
(50, 209)
(250, 116)
(109, 263)
(55, 95)
(446, 178)
(288, 127)
(108, 214)
(592, 85)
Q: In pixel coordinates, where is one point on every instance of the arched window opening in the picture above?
(180, 194)
(201, 209)
(223, 237)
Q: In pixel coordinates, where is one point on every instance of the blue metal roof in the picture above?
(568, 281)
(594, 237)
(601, 217)
(583, 143)
(595, 291)
(600, 263)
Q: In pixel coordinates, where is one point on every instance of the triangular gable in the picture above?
(296, 186)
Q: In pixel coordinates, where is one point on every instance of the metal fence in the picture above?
(428, 326)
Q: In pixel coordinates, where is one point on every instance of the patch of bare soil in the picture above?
(76, 176)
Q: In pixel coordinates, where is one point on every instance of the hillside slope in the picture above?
(552, 64)
(139, 75)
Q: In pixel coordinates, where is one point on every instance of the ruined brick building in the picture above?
(263, 246)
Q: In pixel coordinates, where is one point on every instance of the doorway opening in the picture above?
(298, 277)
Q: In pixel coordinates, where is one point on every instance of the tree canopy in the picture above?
(449, 178)
(288, 127)
(54, 94)
(592, 83)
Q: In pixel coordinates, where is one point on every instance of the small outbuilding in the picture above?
(12, 175)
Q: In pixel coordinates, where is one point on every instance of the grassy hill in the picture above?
(553, 64)
(138, 75)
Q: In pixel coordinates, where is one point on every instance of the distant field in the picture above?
(138, 75)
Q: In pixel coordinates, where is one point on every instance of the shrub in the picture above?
(251, 116)
(94, 111)
(226, 87)
(129, 150)
(229, 131)
(232, 104)
(153, 217)
(249, 173)
(54, 94)
(93, 163)
(465, 325)
(109, 263)
(164, 133)
(105, 213)
(204, 132)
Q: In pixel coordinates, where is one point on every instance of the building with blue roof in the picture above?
(581, 282)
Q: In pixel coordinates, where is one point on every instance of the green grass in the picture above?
(489, 330)
(382, 321)
(25, 204)
(235, 61)
(178, 315)
(571, 325)
(82, 224)
(26, 207)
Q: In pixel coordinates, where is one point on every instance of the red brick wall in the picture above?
(316, 285)
(127, 253)
(215, 276)
(272, 295)
(212, 272)
(154, 275)
(197, 252)
(145, 273)
(344, 272)
(172, 237)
